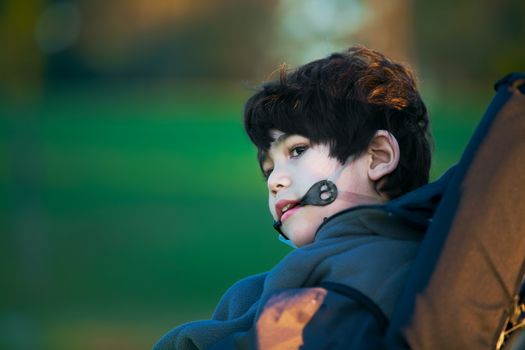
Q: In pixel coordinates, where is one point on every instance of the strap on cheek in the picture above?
(321, 193)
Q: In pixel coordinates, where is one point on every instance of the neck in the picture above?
(361, 199)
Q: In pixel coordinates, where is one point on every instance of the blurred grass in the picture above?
(126, 212)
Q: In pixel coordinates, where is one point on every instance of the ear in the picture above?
(383, 151)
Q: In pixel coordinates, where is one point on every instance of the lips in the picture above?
(285, 206)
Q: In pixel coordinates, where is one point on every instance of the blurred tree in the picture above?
(21, 67)
(161, 39)
(389, 28)
(20, 62)
(470, 43)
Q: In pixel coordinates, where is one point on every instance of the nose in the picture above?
(278, 180)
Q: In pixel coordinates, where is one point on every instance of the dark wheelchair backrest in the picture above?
(466, 279)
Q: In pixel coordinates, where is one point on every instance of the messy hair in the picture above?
(342, 100)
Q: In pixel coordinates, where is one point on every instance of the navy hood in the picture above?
(417, 207)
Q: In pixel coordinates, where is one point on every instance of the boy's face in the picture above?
(292, 166)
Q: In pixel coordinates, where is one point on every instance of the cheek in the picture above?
(313, 170)
(306, 176)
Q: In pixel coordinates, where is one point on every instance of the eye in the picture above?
(296, 151)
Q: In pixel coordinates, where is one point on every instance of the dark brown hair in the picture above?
(342, 100)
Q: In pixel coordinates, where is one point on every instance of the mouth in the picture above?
(284, 208)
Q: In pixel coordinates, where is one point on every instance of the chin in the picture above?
(300, 236)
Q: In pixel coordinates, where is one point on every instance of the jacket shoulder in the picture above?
(314, 318)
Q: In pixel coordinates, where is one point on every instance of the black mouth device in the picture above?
(320, 194)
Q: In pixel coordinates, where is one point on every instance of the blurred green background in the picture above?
(130, 197)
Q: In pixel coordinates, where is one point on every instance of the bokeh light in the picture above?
(57, 27)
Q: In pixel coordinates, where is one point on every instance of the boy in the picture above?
(337, 139)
